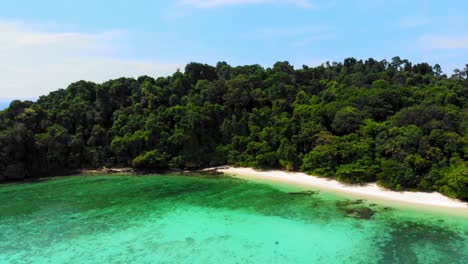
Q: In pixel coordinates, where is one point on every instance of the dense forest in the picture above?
(403, 125)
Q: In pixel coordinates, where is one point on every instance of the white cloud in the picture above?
(444, 42)
(217, 3)
(35, 61)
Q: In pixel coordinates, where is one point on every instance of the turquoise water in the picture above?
(210, 219)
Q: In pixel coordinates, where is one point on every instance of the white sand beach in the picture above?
(371, 191)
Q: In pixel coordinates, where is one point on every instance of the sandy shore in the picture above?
(371, 191)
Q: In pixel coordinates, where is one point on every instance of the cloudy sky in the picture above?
(47, 44)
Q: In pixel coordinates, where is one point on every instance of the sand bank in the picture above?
(371, 190)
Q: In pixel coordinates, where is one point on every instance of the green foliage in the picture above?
(322, 160)
(403, 125)
(455, 181)
(356, 172)
(151, 160)
(392, 174)
(346, 120)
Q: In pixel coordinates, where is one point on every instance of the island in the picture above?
(360, 161)
(399, 124)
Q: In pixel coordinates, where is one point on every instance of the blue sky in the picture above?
(45, 45)
(3, 105)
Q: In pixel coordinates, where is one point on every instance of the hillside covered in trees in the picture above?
(402, 125)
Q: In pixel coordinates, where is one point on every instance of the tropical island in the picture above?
(399, 124)
(363, 127)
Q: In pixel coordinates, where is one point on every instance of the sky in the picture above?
(4, 104)
(45, 45)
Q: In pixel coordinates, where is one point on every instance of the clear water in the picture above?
(182, 219)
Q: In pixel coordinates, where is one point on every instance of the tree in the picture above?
(152, 159)
(455, 181)
(437, 71)
(399, 122)
(346, 120)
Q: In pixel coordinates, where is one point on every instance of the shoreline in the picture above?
(370, 191)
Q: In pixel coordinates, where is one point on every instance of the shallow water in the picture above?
(182, 219)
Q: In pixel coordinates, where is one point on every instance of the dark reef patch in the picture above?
(404, 237)
(360, 213)
(309, 193)
(354, 209)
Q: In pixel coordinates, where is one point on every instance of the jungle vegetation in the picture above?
(403, 125)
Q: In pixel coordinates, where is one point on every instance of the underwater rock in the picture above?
(303, 193)
(360, 212)
(346, 203)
